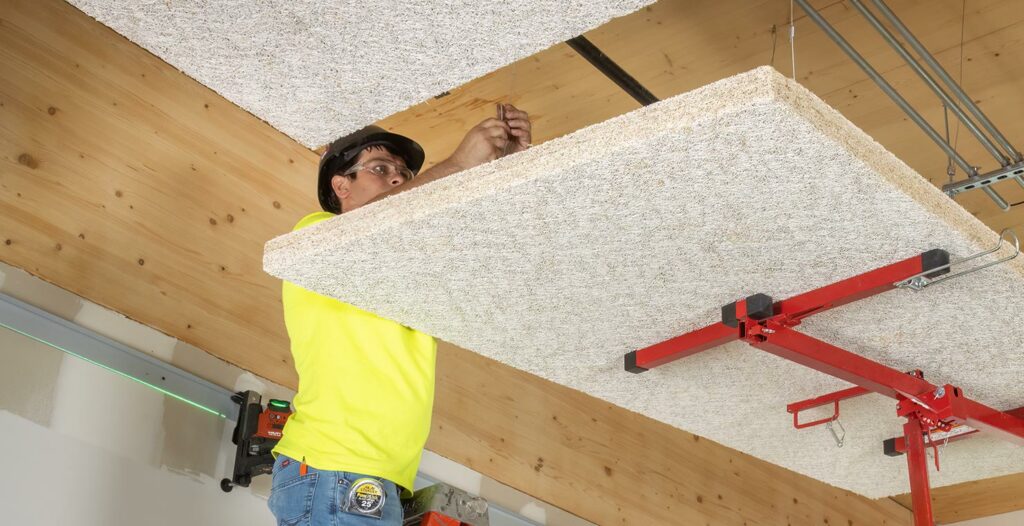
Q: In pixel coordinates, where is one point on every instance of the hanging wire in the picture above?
(960, 81)
(840, 436)
(775, 40)
(950, 166)
(792, 39)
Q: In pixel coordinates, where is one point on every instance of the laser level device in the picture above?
(256, 433)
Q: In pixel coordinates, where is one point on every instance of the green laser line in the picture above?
(111, 369)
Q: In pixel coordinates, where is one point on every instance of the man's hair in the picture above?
(332, 199)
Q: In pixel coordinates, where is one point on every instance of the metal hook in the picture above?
(920, 281)
(840, 439)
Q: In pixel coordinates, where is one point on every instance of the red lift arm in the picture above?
(768, 326)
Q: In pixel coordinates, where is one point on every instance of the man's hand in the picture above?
(520, 129)
(484, 142)
(488, 140)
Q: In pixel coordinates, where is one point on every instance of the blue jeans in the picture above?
(318, 498)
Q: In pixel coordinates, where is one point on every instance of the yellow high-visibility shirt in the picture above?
(366, 386)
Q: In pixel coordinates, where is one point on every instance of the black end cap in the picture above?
(759, 306)
(889, 448)
(631, 365)
(934, 258)
(729, 315)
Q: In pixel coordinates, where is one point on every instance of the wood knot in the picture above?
(28, 160)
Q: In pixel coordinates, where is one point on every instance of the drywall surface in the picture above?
(319, 69)
(562, 258)
(86, 446)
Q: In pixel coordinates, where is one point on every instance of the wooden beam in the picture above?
(133, 186)
(972, 500)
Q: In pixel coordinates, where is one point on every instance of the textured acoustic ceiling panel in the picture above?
(318, 69)
(562, 258)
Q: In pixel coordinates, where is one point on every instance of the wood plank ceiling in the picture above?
(133, 186)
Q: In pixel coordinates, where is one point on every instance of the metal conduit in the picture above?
(954, 87)
(898, 99)
(982, 138)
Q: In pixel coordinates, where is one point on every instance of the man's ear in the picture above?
(342, 186)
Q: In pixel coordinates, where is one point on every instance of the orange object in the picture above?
(303, 469)
(433, 518)
(270, 423)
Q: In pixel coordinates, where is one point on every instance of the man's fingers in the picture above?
(519, 123)
(523, 137)
(496, 133)
(515, 114)
(492, 123)
(510, 135)
(500, 145)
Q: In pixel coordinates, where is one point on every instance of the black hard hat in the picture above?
(343, 150)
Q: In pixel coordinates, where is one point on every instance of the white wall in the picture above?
(85, 446)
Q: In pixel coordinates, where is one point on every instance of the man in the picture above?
(366, 384)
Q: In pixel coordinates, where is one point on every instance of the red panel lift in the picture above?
(939, 412)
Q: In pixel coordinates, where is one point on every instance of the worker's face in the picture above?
(364, 185)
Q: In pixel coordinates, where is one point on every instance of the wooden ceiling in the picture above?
(131, 185)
